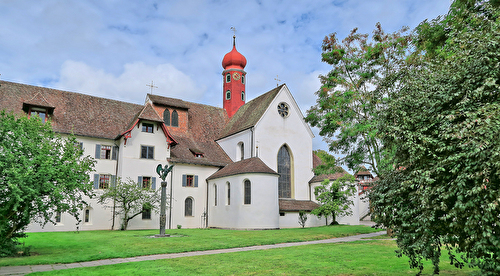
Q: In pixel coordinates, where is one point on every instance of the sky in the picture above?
(114, 49)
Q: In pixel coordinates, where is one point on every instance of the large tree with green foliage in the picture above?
(365, 72)
(129, 199)
(40, 174)
(444, 124)
(335, 191)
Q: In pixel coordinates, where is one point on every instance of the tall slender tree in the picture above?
(365, 72)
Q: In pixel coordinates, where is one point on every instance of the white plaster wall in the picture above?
(131, 165)
(262, 213)
(230, 145)
(291, 220)
(179, 195)
(273, 131)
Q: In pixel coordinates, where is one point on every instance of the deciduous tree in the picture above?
(444, 123)
(129, 199)
(40, 174)
(364, 73)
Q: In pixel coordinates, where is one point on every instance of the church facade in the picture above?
(247, 165)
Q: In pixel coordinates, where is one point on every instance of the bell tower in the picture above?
(234, 79)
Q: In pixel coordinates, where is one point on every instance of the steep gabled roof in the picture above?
(250, 113)
(73, 112)
(204, 125)
(149, 113)
(250, 165)
(166, 101)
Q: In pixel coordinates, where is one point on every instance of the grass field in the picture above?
(368, 257)
(69, 247)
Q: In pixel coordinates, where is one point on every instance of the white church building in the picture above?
(248, 165)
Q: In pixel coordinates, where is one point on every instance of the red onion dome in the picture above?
(234, 59)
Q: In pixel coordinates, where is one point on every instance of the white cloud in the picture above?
(131, 85)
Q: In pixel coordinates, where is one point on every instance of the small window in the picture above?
(242, 150)
(175, 119)
(243, 95)
(215, 194)
(282, 214)
(105, 152)
(248, 192)
(104, 180)
(228, 95)
(146, 212)
(228, 77)
(188, 207)
(166, 117)
(87, 215)
(147, 128)
(228, 193)
(243, 79)
(58, 217)
(40, 113)
(146, 182)
(189, 180)
(147, 152)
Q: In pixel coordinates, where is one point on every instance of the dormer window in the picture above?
(38, 106)
(38, 112)
(197, 153)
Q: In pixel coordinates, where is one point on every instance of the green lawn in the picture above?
(69, 247)
(368, 257)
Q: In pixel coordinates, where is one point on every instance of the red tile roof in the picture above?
(249, 114)
(297, 205)
(250, 165)
(74, 113)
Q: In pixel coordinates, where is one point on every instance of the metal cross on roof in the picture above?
(152, 86)
(277, 81)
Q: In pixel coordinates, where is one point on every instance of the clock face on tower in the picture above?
(236, 76)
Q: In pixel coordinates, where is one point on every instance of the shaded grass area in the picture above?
(69, 247)
(370, 257)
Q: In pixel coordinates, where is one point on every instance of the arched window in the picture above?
(243, 79)
(248, 192)
(243, 95)
(166, 117)
(175, 119)
(284, 170)
(215, 194)
(86, 217)
(228, 94)
(228, 193)
(240, 151)
(228, 77)
(188, 207)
